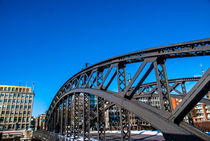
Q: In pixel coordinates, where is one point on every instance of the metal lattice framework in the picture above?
(98, 80)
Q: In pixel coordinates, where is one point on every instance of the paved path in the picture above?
(135, 137)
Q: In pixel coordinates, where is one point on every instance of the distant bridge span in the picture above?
(71, 104)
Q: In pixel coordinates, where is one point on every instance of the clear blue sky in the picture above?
(49, 41)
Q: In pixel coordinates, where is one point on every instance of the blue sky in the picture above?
(47, 42)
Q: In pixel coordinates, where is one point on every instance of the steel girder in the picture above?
(76, 129)
(124, 114)
(86, 117)
(158, 118)
(88, 78)
(100, 110)
(69, 117)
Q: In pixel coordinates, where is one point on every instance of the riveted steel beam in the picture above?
(162, 84)
(124, 114)
(86, 117)
(200, 89)
(76, 129)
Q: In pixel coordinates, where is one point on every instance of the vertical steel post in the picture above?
(76, 115)
(81, 96)
(162, 84)
(100, 111)
(124, 114)
(55, 115)
(61, 117)
(58, 118)
(69, 116)
(86, 117)
(101, 119)
(64, 116)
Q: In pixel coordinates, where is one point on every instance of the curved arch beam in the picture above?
(185, 49)
(156, 117)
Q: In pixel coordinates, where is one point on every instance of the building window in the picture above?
(23, 126)
(19, 119)
(29, 101)
(13, 89)
(14, 95)
(13, 100)
(3, 112)
(18, 101)
(1, 119)
(29, 106)
(25, 107)
(15, 119)
(8, 106)
(10, 119)
(13, 106)
(18, 95)
(0, 100)
(5, 88)
(1, 88)
(21, 106)
(7, 112)
(9, 126)
(30, 96)
(2, 94)
(21, 101)
(5, 100)
(6, 94)
(17, 106)
(9, 100)
(10, 95)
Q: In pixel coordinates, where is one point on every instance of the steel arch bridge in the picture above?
(71, 104)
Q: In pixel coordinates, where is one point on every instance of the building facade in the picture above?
(40, 122)
(16, 104)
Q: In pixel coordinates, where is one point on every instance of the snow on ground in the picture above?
(144, 132)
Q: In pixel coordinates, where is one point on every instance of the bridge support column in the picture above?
(100, 110)
(162, 84)
(101, 119)
(58, 119)
(69, 116)
(76, 116)
(86, 117)
(64, 116)
(124, 114)
(61, 116)
(54, 121)
(125, 125)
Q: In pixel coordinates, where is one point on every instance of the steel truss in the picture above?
(124, 114)
(86, 117)
(97, 80)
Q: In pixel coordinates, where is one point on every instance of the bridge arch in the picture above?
(92, 81)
